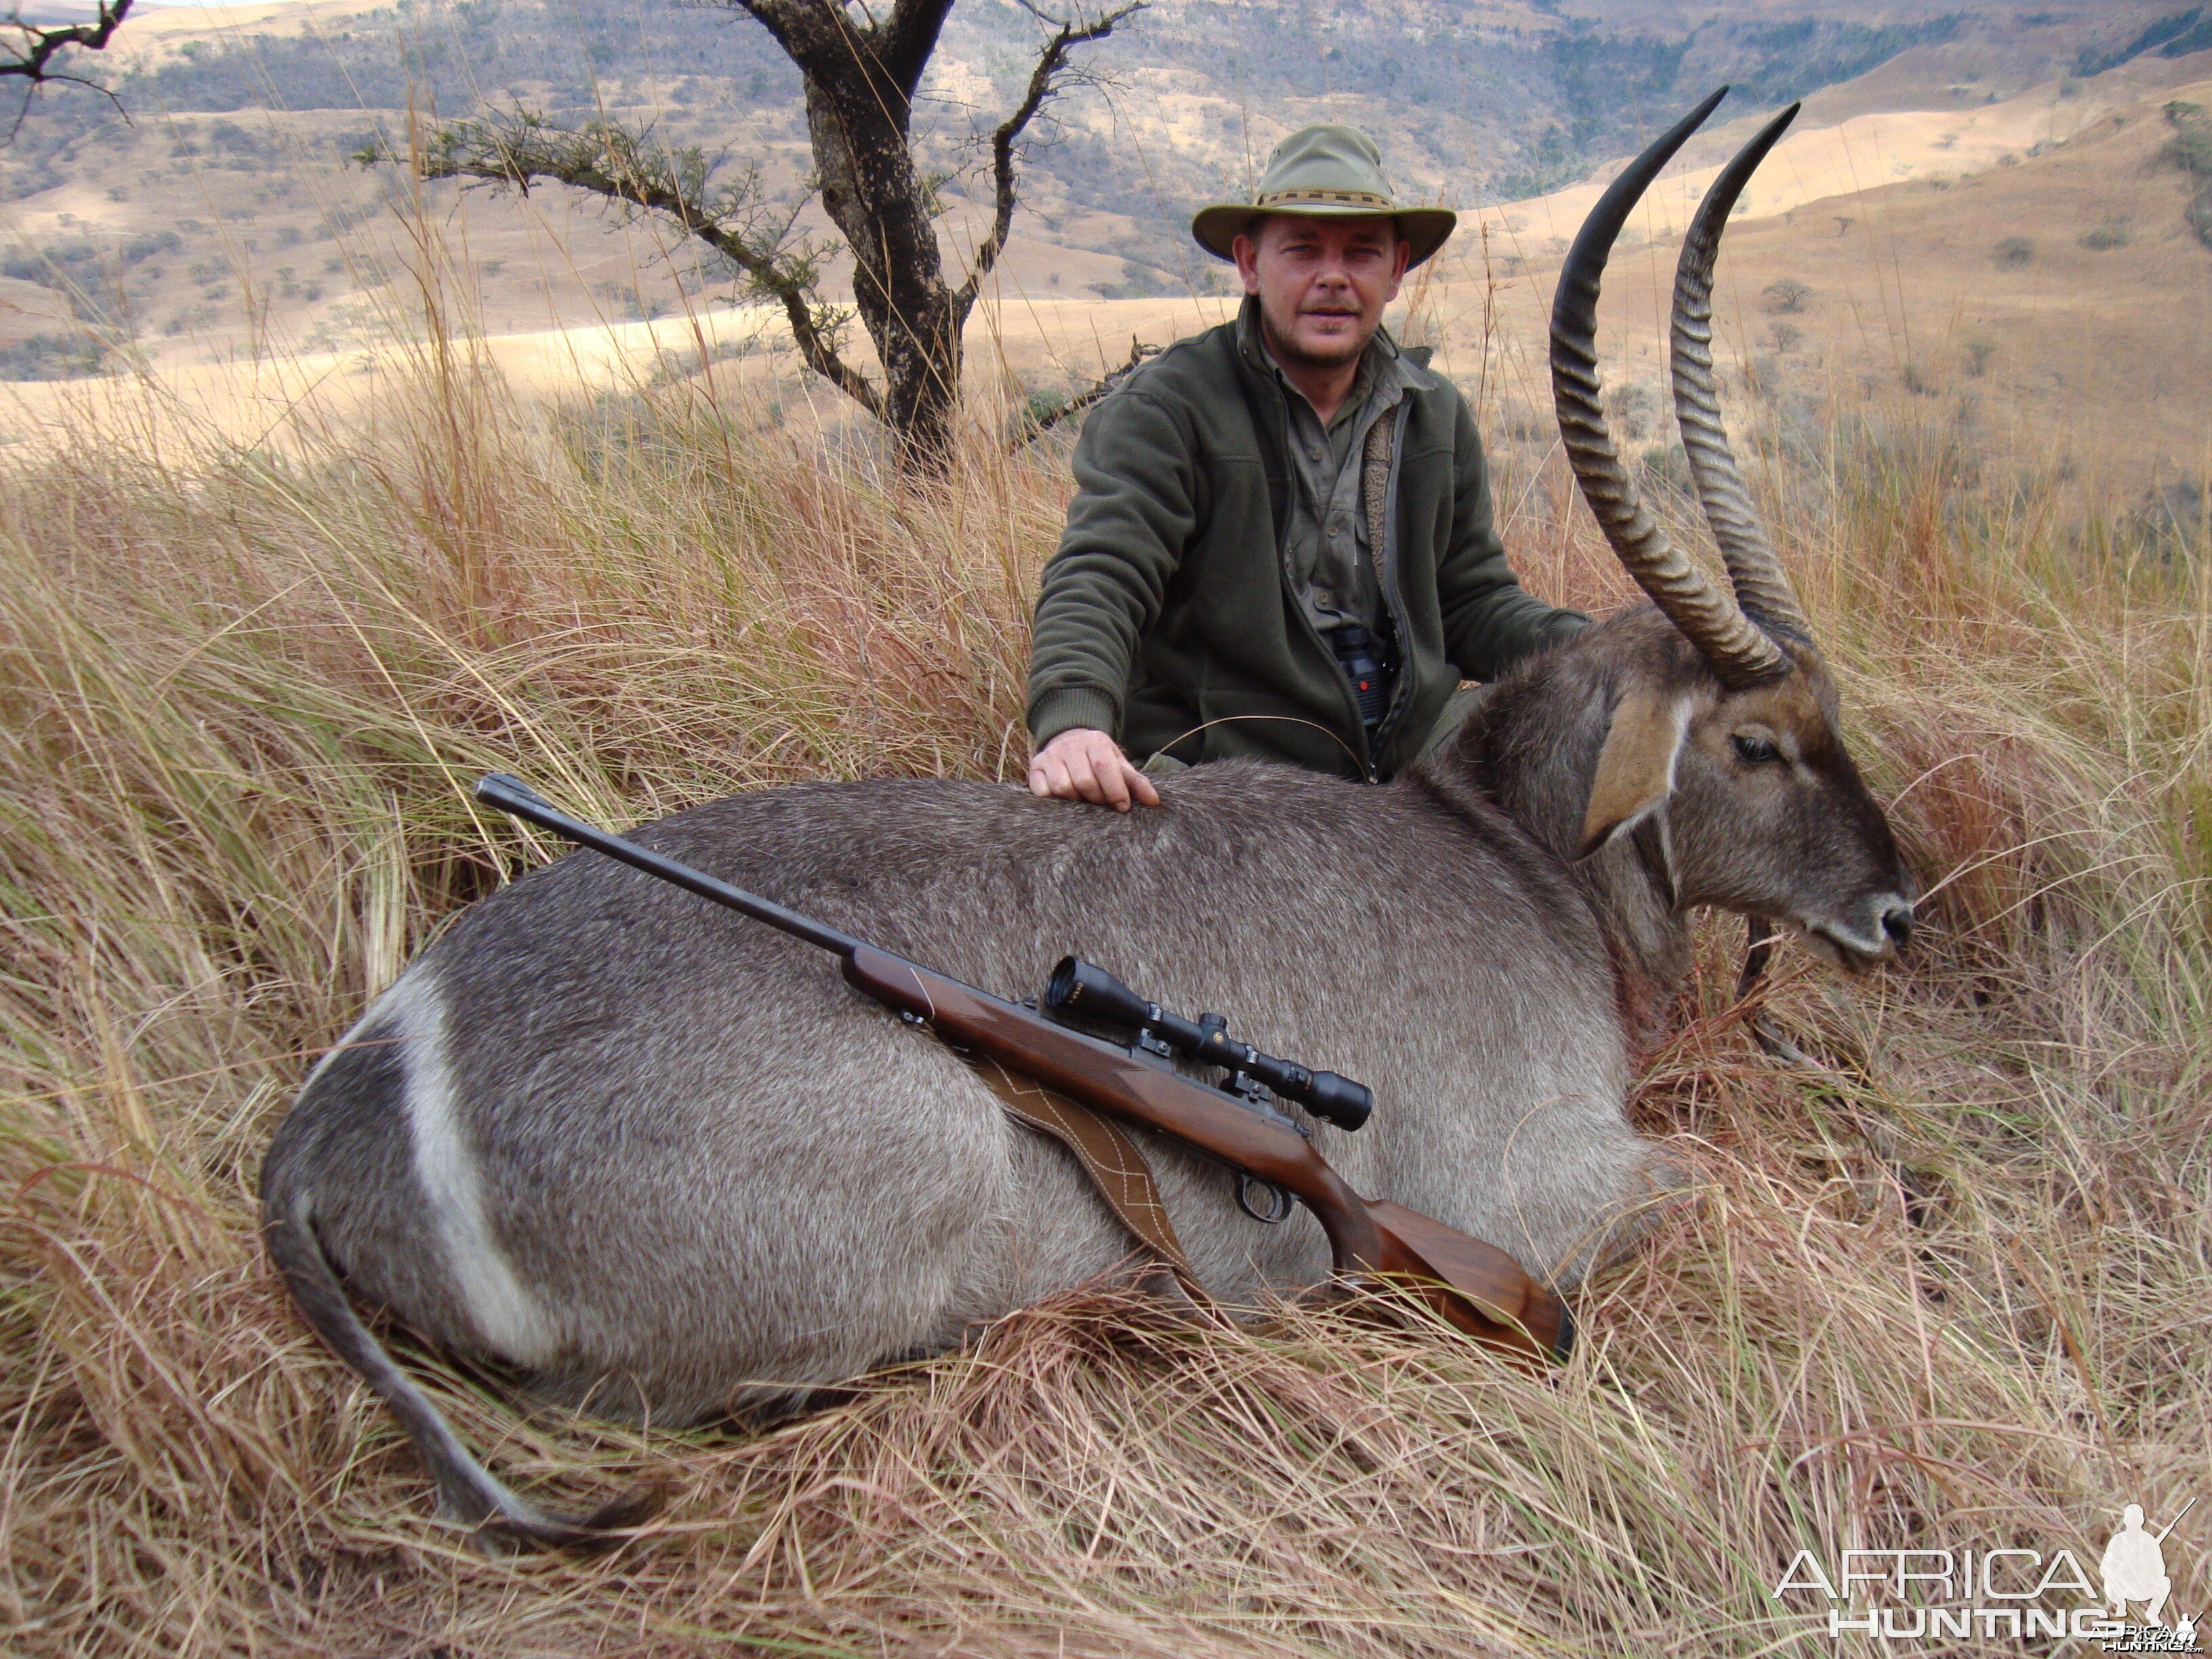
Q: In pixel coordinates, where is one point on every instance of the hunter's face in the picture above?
(1321, 284)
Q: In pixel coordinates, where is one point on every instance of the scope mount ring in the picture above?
(1277, 1213)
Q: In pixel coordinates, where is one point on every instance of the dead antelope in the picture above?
(660, 1160)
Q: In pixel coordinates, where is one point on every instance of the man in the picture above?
(1281, 541)
(2134, 1568)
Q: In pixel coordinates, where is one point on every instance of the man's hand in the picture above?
(1080, 764)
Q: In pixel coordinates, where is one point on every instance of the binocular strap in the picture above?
(1375, 484)
(1108, 1155)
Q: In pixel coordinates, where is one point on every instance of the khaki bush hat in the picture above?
(1324, 172)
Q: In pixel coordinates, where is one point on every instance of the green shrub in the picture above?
(53, 357)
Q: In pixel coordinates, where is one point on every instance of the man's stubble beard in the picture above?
(1290, 356)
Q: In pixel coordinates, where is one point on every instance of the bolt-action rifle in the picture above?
(1477, 1287)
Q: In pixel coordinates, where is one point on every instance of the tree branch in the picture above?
(805, 29)
(1037, 426)
(821, 37)
(606, 160)
(909, 37)
(29, 57)
(1072, 33)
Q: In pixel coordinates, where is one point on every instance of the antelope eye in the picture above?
(1755, 752)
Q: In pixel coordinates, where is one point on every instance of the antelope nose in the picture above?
(1897, 923)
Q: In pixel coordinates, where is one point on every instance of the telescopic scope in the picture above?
(1084, 988)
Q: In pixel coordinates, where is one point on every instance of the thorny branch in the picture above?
(30, 55)
(1050, 65)
(607, 159)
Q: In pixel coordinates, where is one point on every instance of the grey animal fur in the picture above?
(661, 1159)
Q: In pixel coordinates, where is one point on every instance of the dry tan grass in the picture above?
(1945, 1288)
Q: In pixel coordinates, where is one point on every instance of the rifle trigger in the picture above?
(1277, 1212)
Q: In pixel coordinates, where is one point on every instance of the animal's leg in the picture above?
(1050, 1232)
(1667, 1194)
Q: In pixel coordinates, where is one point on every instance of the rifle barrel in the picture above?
(2176, 1522)
(511, 795)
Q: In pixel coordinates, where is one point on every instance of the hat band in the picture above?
(1326, 197)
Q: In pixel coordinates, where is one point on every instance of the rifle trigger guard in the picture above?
(1277, 1213)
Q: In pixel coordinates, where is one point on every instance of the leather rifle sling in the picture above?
(1113, 1160)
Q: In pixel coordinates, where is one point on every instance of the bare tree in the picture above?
(861, 74)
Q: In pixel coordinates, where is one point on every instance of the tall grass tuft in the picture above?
(1944, 1287)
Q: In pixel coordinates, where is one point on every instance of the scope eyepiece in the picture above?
(1082, 987)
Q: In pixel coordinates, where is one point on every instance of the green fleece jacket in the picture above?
(1168, 606)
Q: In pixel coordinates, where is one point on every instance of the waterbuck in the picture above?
(660, 1160)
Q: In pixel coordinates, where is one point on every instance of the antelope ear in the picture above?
(1636, 768)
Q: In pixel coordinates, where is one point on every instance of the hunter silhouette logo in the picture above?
(2135, 1567)
(2134, 1571)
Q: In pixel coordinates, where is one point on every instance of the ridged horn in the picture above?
(1708, 618)
(1761, 588)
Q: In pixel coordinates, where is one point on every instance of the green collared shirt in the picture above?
(1330, 566)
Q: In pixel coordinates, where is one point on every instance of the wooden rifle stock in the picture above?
(1476, 1286)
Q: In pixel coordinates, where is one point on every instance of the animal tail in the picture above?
(467, 1491)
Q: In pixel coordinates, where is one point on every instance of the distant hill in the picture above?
(222, 221)
(1485, 101)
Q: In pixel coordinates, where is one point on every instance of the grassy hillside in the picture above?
(2053, 305)
(1943, 1286)
(2032, 273)
(1970, 220)
(220, 218)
